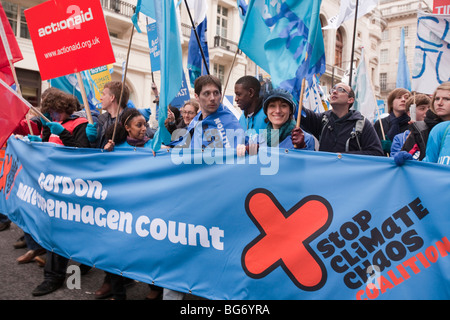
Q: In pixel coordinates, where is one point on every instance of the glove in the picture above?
(43, 121)
(34, 138)
(91, 131)
(298, 138)
(386, 145)
(401, 157)
(55, 127)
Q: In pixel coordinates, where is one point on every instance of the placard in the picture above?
(69, 36)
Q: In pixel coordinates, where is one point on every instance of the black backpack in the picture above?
(355, 134)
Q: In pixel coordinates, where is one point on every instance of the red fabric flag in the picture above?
(12, 110)
(9, 48)
(6, 75)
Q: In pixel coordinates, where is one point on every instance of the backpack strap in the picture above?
(355, 134)
(325, 121)
(420, 126)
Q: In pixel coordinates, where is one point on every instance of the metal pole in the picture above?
(353, 45)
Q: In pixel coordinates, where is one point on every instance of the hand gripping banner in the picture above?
(280, 225)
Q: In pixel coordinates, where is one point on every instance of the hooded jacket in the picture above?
(334, 132)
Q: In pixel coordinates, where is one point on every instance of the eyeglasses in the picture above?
(191, 113)
(339, 89)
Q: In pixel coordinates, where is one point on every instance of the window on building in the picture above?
(338, 51)
(383, 81)
(30, 85)
(219, 72)
(24, 33)
(16, 18)
(11, 10)
(406, 28)
(385, 35)
(222, 21)
(384, 56)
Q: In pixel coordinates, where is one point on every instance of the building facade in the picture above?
(377, 32)
(398, 14)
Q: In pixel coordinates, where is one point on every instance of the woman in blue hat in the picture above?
(281, 128)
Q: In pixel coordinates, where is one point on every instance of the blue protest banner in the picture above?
(182, 96)
(153, 43)
(280, 225)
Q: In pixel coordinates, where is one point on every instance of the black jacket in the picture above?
(419, 133)
(334, 133)
(77, 138)
(392, 126)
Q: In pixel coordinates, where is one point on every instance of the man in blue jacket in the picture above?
(341, 129)
(214, 126)
(246, 91)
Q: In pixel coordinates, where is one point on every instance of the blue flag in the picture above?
(164, 12)
(195, 64)
(284, 38)
(69, 84)
(403, 75)
(242, 7)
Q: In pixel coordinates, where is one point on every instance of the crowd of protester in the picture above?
(415, 129)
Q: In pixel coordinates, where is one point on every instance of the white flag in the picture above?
(432, 53)
(314, 98)
(365, 101)
(198, 9)
(347, 12)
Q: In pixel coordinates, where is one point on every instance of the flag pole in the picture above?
(84, 96)
(16, 81)
(229, 73)
(123, 81)
(197, 37)
(300, 103)
(353, 45)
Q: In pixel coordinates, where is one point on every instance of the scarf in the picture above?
(283, 132)
(201, 135)
(137, 142)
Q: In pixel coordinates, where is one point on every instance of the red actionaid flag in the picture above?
(9, 50)
(13, 109)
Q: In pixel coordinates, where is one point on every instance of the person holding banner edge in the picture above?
(69, 130)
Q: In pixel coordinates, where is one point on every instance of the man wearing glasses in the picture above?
(341, 129)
